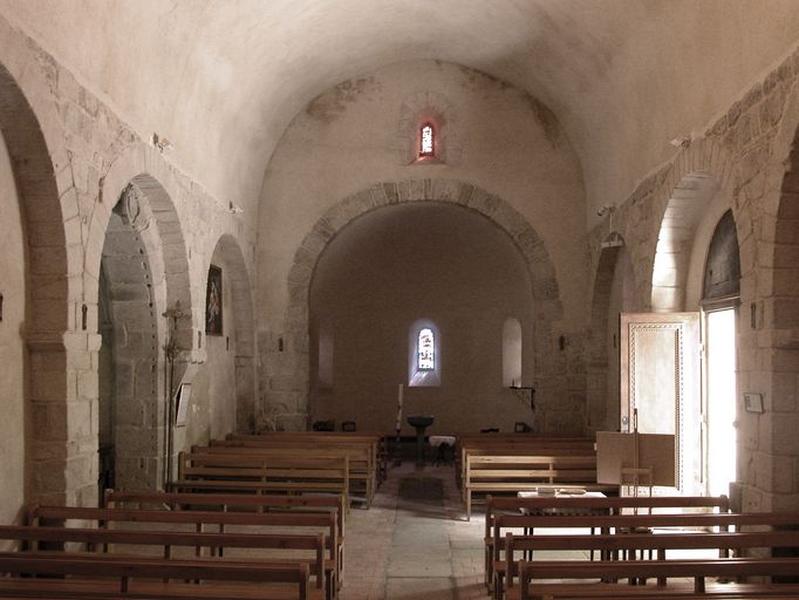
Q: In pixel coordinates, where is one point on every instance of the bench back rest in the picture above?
(230, 502)
(37, 515)
(594, 505)
(100, 566)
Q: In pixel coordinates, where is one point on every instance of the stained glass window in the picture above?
(426, 350)
(426, 141)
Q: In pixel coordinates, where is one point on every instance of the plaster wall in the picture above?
(395, 266)
(12, 345)
(624, 77)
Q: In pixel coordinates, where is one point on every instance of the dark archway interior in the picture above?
(393, 267)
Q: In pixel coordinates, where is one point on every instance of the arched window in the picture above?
(424, 354)
(512, 353)
(426, 350)
(427, 140)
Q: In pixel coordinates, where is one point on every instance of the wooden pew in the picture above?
(615, 523)
(106, 577)
(696, 569)
(361, 473)
(517, 445)
(307, 503)
(516, 473)
(203, 544)
(724, 542)
(200, 521)
(585, 505)
(363, 451)
(261, 473)
(229, 502)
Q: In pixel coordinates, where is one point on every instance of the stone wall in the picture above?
(73, 157)
(747, 152)
(12, 322)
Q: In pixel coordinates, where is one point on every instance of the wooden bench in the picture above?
(107, 577)
(510, 444)
(204, 544)
(613, 545)
(363, 451)
(320, 503)
(307, 503)
(262, 474)
(626, 523)
(584, 505)
(361, 473)
(697, 569)
(199, 521)
(516, 473)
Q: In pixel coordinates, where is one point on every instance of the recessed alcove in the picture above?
(396, 268)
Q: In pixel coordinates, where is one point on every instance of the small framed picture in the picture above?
(213, 302)
(182, 401)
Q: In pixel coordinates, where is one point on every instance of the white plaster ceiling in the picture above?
(223, 78)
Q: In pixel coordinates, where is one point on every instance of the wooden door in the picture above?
(660, 376)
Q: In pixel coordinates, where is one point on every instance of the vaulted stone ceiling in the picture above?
(223, 78)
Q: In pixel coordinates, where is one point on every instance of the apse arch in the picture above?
(545, 289)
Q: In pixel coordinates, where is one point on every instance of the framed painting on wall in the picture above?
(213, 302)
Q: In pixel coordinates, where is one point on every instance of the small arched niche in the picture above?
(511, 352)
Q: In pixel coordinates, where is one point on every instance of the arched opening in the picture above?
(512, 345)
(132, 300)
(721, 293)
(225, 384)
(684, 211)
(424, 354)
(614, 286)
(144, 286)
(35, 292)
(12, 345)
(426, 271)
(287, 386)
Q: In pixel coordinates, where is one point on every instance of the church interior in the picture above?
(436, 270)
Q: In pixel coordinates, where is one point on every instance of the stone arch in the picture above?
(686, 205)
(137, 216)
(48, 317)
(546, 294)
(144, 168)
(228, 251)
(132, 298)
(782, 229)
(704, 157)
(597, 356)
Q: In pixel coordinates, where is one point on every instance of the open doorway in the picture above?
(720, 297)
(719, 418)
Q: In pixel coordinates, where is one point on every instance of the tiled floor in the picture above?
(414, 543)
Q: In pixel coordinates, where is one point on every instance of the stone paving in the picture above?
(414, 543)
